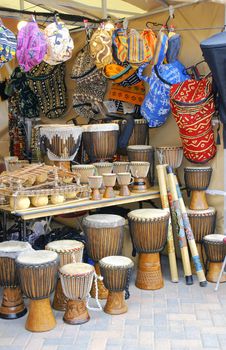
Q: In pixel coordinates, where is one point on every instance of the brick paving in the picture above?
(177, 317)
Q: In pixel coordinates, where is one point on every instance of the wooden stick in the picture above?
(190, 238)
(181, 233)
(161, 169)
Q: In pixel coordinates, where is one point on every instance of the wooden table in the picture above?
(74, 206)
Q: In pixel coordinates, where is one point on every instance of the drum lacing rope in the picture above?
(99, 307)
(127, 293)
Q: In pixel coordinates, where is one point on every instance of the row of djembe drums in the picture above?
(35, 272)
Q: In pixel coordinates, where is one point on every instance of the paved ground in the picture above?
(177, 317)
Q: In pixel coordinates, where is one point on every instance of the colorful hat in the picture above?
(31, 46)
(59, 43)
(7, 45)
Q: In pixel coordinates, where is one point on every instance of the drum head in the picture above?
(139, 148)
(214, 238)
(200, 168)
(205, 212)
(103, 220)
(117, 261)
(14, 247)
(37, 257)
(75, 269)
(66, 245)
(100, 127)
(148, 214)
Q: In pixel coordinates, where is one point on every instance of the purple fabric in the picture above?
(31, 46)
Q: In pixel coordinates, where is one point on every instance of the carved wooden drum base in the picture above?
(102, 291)
(76, 312)
(60, 300)
(198, 200)
(12, 304)
(149, 274)
(40, 317)
(116, 304)
(214, 271)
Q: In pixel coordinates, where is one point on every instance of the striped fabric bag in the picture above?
(120, 45)
(139, 48)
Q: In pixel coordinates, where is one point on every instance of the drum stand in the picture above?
(12, 304)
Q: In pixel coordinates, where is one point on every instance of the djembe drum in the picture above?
(171, 155)
(148, 229)
(60, 142)
(197, 181)
(12, 302)
(203, 223)
(143, 153)
(104, 237)
(37, 271)
(76, 280)
(69, 251)
(215, 250)
(139, 171)
(100, 141)
(116, 271)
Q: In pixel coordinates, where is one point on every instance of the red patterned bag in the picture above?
(192, 104)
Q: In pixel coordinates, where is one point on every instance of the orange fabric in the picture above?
(132, 94)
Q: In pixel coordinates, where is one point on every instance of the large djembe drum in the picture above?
(60, 142)
(100, 141)
(215, 250)
(104, 237)
(116, 271)
(144, 153)
(12, 302)
(197, 180)
(171, 155)
(203, 223)
(148, 229)
(69, 251)
(37, 271)
(76, 280)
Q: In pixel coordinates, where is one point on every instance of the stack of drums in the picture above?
(100, 141)
(148, 229)
(37, 272)
(104, 237)
(69, 251)
(144, 153)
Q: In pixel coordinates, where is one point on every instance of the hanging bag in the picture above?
(101, 48)
(8, 45)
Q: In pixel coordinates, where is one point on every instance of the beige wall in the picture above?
(201, 15)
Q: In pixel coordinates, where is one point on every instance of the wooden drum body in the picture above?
(116, 271)
(197, 180)
(104, 237)
(37, 273)
(215, 250)
(171, 155)
(12, 306)
(203, 223)
(100, 141)
(148, 229)
(69, 251)
(139, 171)
(76, 280)
(143, 153)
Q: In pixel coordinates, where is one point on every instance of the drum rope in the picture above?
(127, 293)
(99, 307)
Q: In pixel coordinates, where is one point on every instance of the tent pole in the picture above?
(104, 9)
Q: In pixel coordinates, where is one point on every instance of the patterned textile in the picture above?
(101, 48)
(120, 45)
(192, 104)
(7, 45)
(131, 94)
(90, 85)
(59, 43)
(124, 75)
(174, 44)
(31, 46)
(48, 83)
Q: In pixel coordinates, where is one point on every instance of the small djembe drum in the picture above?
(171, 155)
(76, 280)
(12, 302)
(197, 181)
(84, 170)
(203, 223)
(100, 141)
(143, 153)
(37, 271)
(103, 168)
(215, 250)
(69, 251)
(121, 167)
(95, 183)
(109, 181)
(60, 142)
(124, 180)
(104, 237)
(139, 171)
(148, 229)
(116, 271)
